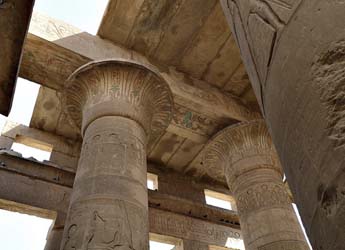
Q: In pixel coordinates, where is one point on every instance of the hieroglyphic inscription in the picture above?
(49, 28)
(139, 94)
(116, 226)
(119, 154)
(224, 153)
(261, 196)
(188, 228)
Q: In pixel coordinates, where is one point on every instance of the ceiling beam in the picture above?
(56, 182)
(200, 110)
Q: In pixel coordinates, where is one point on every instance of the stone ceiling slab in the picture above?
(191, 35)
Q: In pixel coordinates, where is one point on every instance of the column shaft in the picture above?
(268, 221)
(121, 108)
(293, 51)
(248, 158)
(54, 238)
(109, 207)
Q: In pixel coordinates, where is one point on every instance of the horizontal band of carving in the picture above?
(286, 245)
(261, 196)
(118, 88)
(184, 227)
(114, 141)
(248, 143)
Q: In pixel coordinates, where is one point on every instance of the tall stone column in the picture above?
(293, 51)
(246, 155)
(121, 108)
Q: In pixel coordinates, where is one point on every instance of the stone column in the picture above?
(54, 238)
(293, 51)
(246, 155)
(194, 245)
(121, 108)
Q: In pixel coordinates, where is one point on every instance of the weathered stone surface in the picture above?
(118, 21)
(54, 238)
(177, 193)
(108, 206)
(194, 245)
(44, 189)
(65, 152)
(199, 110)
(294, 55)
(214, 34)
(195, 117)
(120, 107)
(184, 227)
(119, 88)
(191, 35)
(34, 192)
(43, 24)
(27, 209)
(41, 171)
(247, 157)
(14, 22)
(295, 70)
(94, 48)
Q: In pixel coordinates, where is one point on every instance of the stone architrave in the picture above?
(248, 158)
(120, 107)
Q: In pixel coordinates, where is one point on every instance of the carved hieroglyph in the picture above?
(184, 227)
(119, 88)
(119, 106)
(246, 155)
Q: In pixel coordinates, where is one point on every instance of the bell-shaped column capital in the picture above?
(241, 148)
(119, 88)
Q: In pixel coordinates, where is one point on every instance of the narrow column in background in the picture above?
(251, 166)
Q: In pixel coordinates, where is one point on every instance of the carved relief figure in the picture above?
(107, 234)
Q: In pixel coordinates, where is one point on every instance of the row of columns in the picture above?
(121, 109)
